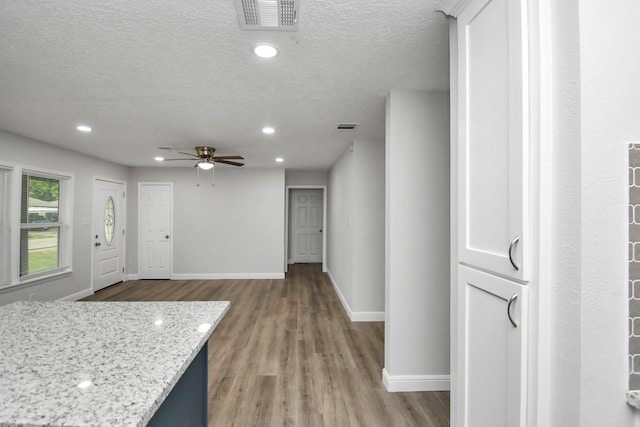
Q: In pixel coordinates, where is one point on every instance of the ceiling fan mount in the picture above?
(205, 157)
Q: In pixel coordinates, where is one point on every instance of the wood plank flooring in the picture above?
(286, 354)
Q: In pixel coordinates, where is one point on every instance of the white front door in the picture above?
(108, 233)
(155, 208)
(306, 236)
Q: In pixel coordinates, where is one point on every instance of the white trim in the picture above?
(355, 316)
(287, 190)
(341, 297)
(367, 316)
(65, 222)
(132, 276)
(406, 383)
(451, 8)
(78, 295)
(216, 276)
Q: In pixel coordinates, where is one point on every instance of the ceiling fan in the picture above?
(206, 158)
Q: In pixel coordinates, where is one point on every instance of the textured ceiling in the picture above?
(182, 73)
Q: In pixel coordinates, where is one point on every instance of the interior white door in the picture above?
(306, 213)
(492, 350)
(493, 133)
(155, 213)
(108, 233)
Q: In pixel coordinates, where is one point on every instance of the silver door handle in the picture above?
(513, 244)
(513, 299)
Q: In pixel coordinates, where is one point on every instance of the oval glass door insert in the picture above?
(109, 221)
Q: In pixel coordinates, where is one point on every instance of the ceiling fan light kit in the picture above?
(205, 165)
(205, 158)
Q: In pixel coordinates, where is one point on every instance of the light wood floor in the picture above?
(286, 354)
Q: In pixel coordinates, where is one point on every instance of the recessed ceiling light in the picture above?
(83, 128)
(279, 159)
(159, 159)
(268, 130)
(265, 51)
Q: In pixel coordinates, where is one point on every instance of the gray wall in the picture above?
(27, 152)
(417, 238)
(234, 227)
(303, 177)
(356, 229)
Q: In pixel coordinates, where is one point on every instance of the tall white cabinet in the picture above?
(496, 275)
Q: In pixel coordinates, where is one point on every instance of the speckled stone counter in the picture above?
(633, 398)
(96, 363)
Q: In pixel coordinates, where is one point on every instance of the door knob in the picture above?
(98, 243)
(166, 236)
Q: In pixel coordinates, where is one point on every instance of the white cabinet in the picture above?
(492, 331)
(495, 108)
(493, 137)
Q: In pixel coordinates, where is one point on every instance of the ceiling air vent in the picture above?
(164, 148)
(278, 15)
(347, 126)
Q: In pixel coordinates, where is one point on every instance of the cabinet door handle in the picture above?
(513, 244)
(513, 299)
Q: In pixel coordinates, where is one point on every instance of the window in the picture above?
(44, 224)
(5, 235)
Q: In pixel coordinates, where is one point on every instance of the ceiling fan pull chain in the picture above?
(197, 177)
(213, 170)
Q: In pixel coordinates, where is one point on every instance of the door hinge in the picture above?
(123, 269)
(123, 231)
(123, 194)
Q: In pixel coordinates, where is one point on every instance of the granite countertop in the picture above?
(633, 398)
(96, 363)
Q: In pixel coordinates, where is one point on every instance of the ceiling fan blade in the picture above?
(228, 158)
(227, 162)
(166, 160)
(188, 154)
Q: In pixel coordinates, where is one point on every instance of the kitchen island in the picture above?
(105, 363)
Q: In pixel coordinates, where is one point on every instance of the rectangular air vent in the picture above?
(164, 148)
(347, 126)
(278, 15)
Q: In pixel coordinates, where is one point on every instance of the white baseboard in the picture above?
(77, 295)
(128, 277)
(216, 276)
(406, 383)
(355, 316)
(367, 316)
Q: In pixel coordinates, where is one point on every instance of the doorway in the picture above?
(305, 231)
(108, 244)
(155, 226)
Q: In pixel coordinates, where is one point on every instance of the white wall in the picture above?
(356, 230)
(27, 152)
(417, 241)
(235, 228)
(597, 104)
(305, 177)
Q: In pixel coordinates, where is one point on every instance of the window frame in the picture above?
(65, 223)
(7, 225)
